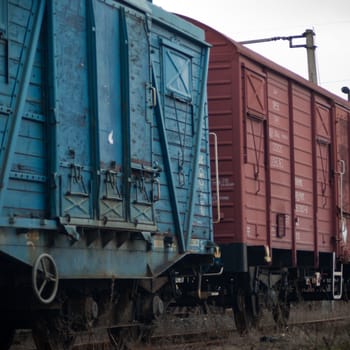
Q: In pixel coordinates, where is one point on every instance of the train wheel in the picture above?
(242, 313)
(280, 313)
(7, 334)
(255, 310)
(281, 310)
(123, 337)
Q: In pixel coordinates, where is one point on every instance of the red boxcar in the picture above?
(283, 153)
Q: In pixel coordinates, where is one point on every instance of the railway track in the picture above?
(324, 325)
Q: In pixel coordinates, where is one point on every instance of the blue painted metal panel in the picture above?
(183, 113)
(110, 154)
(164, 160)
(109, 87)
(4, 45)
(3, 18)
(109, 49)
(50, 70)
(22, 142)
(74, 149)
(198, 175)
(93, 104)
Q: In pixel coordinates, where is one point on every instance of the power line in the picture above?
(335, 81)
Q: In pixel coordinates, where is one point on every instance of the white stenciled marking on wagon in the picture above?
(299, 196)
(302, 209)
(277, 134)
(110, 138)
(277, 162)
(275, 105)
(276, 147)
(226, 182)
(299, 182)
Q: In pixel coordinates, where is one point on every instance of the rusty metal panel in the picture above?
(343, 182)
(255, 86)
(303, 160)
(324, 184)
(255, 181)
(323, 118)
(221, 109)
(279, 161)
(255, 146)
(324, 196)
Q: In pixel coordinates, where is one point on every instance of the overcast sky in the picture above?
(255, 19)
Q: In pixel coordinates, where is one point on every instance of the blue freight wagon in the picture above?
(105, 200)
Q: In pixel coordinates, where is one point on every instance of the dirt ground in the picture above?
(333, 335)
(301, 333)
(320, 337)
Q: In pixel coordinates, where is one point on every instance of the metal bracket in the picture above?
(111, 181)
(145, 181)
(72, 232)
(77, 178)
(337, 280)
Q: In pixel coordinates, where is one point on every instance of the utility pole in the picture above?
(311, 57)
(309, 45)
